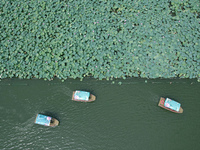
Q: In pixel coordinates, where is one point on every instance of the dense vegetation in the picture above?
(99, 38)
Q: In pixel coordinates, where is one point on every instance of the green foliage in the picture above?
(105, 39)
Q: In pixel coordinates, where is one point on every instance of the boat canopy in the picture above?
(43, 120)
(172, 104)
(82, 95)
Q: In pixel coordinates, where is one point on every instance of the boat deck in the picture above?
(54, 122)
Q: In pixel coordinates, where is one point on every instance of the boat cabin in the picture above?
(81, 95)
(43, 120)
(46, 120)
(172, 104)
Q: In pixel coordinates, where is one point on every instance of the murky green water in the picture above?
(124, 117)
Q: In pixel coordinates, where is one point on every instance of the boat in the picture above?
(170, 105)
(83, 96)
(46, 120)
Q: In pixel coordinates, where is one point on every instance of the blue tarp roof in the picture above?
(82, 95)
(43, 120)
(172, 104)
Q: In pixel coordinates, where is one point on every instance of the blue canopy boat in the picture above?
(170, 105)
(46, 120)
(83, 96)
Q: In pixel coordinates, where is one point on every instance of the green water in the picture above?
(124, 117)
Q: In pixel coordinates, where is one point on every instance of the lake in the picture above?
(125, 115)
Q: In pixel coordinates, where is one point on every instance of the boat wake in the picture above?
(62, 90)
(26, 125)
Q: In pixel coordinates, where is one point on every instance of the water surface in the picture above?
(122, 117)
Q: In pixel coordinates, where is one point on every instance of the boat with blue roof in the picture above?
(83, 96)
(46, 120)
(170, 105)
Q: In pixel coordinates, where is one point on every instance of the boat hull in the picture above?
(91, 98)
(161, 104)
